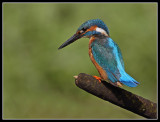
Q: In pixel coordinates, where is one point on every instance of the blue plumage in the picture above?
(104, 52)
(108, 55)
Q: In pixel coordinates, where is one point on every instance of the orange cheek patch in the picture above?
(91, 28)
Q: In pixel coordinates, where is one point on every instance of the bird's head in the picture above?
(94, 27)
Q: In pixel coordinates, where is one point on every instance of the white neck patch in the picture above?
(101, 31)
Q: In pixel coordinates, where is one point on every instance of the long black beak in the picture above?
(71, 40)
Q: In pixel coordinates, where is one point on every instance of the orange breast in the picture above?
(101, 71)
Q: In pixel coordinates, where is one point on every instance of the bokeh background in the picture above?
(38, 78)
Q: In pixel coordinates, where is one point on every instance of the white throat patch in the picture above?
(101, 31)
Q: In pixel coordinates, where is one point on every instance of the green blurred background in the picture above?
(38, 78)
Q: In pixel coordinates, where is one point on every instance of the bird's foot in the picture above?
(98, 78)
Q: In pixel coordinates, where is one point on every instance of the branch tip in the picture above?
(75, 76)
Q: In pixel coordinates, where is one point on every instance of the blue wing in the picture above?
(108, 55)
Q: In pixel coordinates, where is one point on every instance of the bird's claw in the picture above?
(98, 78)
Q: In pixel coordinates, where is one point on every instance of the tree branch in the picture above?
(117, 96)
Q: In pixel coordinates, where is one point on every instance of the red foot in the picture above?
(98, 78)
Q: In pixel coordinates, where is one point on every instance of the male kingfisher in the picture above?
(104, 53)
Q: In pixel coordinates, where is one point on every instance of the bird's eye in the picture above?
(83, 30)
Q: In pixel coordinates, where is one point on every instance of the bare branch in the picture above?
(117, 96)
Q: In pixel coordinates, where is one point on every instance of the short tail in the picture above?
(128, 80)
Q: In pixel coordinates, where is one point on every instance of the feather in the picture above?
(108, 55)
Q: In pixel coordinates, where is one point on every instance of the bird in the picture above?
(104, 53)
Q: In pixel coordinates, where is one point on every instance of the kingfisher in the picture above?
(104, 53)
